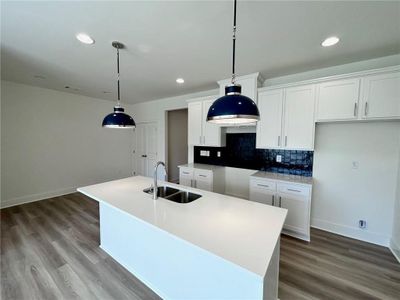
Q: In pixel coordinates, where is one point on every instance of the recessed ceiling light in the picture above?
(330, 41)
(180, 80)
(84, 38)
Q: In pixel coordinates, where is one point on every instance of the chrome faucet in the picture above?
(155, 187)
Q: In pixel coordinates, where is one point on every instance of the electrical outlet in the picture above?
(279, 158)
(218, 153)
(362, 224)
(204, 153)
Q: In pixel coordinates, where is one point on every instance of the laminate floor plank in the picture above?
(50, 250)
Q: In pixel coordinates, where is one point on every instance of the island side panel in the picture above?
(271, 279)
(171, 267)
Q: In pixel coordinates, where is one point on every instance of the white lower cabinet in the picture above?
(203, 179)
(295, 197)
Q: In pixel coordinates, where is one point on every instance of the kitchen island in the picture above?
(216, 247)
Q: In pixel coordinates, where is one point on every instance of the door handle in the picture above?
(273, 200)
(355, 109)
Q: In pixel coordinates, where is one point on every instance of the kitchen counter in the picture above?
(283, 177)
(244, 234)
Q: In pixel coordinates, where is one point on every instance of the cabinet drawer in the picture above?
(294, 189)
(203, 174)
(262, 184)
(186, 172)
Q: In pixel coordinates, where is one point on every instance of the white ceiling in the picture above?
(189, 39)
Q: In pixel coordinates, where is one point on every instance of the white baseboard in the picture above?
(395, 248)
(352, 232)
(36, 197)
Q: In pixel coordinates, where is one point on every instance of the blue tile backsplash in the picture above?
(241, 152)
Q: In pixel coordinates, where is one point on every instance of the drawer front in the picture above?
(292, 189)
(186, 172)
(204, 175)
(261, 184)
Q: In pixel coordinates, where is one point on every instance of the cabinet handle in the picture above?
(279, 140)
(264, 185)
(285, 140)
(144, 155)
(187, 173)
(366, 109)
(273, 200)
(280, 201)
(355, 109)
(293, 190)
(201, 175)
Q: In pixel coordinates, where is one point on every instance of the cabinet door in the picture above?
(201, 184)
(269, 128)
(338, 100)
(381, 95)
(262, 196)
(211, 132)
(195, 113)
(299, 123)
(185, 180)
(298, 216)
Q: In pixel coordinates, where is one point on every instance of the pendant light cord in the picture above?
(119, 93)
(234, 42)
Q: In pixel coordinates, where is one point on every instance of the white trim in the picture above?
(36, 197)
(351, 232)
(395, 248)
(330, 78)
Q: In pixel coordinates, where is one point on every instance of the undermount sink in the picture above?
(173, 194)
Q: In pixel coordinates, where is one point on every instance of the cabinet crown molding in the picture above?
(395, 68)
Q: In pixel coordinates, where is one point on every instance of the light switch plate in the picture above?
(279, 158)
(218, 153)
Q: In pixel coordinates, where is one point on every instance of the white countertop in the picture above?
(283, 177)
(201, 166)
(240, 231)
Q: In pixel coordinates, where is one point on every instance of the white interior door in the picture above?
(146, 148)
(151, 147)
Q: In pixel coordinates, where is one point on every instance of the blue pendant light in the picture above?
(118, 119)
(233, 108)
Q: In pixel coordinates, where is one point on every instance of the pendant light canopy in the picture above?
(118, 119)
(233, 108)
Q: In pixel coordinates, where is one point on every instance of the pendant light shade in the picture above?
(118, 119)
(233, 108)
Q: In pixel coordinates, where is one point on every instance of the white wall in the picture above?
(343, 195)
(395, 241)
(53, 142)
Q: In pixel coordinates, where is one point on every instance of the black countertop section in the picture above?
(241, 152)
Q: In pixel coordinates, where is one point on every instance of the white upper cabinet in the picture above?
(381, 96)
(195, 114)
(286, 118)
(338, 100)
(201, 132)
(249, 84)
(269, 128)
(299, 117)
